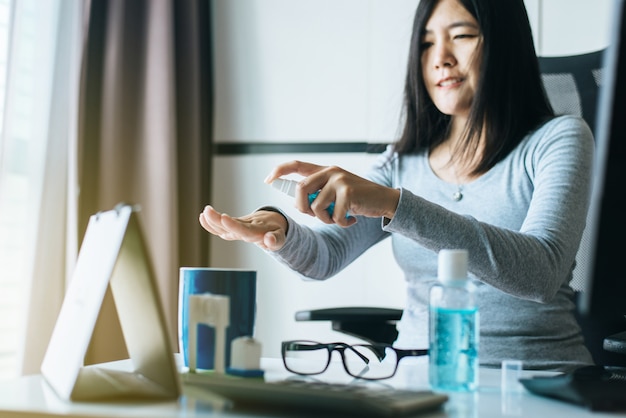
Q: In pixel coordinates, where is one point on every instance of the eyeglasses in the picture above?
(363, 361)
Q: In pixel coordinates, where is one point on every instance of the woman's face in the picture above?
(451, 57)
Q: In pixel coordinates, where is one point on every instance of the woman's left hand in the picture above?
(352, 195)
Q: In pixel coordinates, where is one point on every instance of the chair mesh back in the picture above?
(563, 93)
(572, 84)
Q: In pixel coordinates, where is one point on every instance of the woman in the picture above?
(482, 164)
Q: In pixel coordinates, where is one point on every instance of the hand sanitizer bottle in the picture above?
(453, 326)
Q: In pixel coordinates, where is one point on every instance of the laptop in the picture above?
(113, 254)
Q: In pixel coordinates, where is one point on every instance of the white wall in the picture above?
(570, 27)
(328, 71)
(313, 69)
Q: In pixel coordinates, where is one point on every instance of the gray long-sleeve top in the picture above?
(522, 222)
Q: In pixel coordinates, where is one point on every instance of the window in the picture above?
(22, 150)
(10, 189)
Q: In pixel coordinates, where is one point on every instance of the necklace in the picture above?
(450, 165)
(458, 195)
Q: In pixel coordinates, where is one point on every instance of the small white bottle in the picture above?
(453, 326)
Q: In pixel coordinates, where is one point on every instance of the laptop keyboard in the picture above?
(307, 395)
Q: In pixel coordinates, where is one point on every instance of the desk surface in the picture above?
(30, 396)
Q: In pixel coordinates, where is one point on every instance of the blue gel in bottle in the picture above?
(330, 209)
(454, 326)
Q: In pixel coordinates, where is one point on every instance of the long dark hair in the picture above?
(510, 99)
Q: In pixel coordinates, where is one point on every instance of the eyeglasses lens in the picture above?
(306, 357)
(381, 361)
(360, 360)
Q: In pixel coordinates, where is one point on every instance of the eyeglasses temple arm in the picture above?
(410, 353)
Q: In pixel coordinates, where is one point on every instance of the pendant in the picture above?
(458, 195)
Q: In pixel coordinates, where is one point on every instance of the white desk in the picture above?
(30, 396)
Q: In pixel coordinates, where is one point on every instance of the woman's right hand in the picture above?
(264, 228)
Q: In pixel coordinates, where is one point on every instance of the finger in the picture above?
(204, 219)
(203, 222)
(341, 210)
(292, 167)
(311, 192)
(207, 226)
(345, 221)
(273, 241)
(303, 201)
(212, 221)
(321, 208)
(242, 229)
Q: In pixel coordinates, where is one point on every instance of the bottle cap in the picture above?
(286, 186)
(452, 266)
(245, 358)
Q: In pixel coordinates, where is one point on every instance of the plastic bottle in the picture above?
(289, 188)
(453, 326)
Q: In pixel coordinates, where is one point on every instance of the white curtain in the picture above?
(39, 116)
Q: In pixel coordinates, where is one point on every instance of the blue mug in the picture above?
(239, 285)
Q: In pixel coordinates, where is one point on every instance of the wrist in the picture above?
(392, 203)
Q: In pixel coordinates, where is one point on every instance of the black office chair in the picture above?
(372, 324)
(571, 83)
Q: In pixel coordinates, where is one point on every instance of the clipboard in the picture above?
(113, 253)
